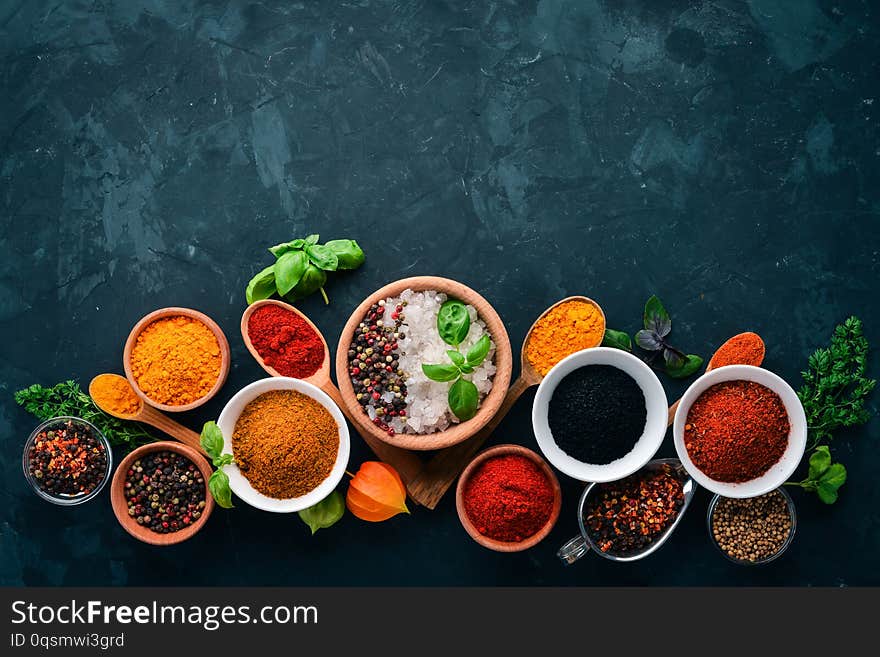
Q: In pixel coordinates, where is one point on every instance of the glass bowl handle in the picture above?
(573, 550)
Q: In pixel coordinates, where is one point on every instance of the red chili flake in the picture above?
(624, 517)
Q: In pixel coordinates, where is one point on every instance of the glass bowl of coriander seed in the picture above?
(752, 531)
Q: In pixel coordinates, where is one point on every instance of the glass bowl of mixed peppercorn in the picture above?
(67, 461)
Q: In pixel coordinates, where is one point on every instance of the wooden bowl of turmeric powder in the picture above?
(176, 359)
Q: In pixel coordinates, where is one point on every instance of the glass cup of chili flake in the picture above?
(670, 469)
(76, 447)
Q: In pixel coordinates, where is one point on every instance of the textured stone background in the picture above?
(722, 154)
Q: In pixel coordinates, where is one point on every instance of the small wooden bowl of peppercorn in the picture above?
(179, 491)
(508, 498)
(456, 432)
(180, 362)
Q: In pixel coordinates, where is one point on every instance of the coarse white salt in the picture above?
(427, 405)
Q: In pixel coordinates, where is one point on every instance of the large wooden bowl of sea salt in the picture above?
(428, 422)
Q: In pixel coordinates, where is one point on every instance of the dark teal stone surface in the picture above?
(723, 155)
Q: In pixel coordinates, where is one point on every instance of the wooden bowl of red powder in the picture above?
(284, 341)
(508, 498)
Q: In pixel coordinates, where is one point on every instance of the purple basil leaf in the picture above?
(648, 340)
(661, 325)
(674, 359)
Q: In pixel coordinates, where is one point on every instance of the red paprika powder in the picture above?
(736, 431)
(508, 498)
(285, 341)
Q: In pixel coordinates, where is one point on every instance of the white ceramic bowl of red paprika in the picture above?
(239, 483)
(797, 437)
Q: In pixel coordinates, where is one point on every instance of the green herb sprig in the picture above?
(301, 268)
(453, 324)
(834, 394)
(325, 513)
(836, 385)
(211, 441)
(824, 477)
(67, 398)
(653, 338)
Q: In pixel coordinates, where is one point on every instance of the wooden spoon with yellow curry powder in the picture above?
(114, 395)
(540, 351)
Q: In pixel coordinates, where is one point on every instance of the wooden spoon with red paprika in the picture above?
(742, 349)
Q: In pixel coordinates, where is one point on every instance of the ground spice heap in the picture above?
(285, 341)
(114, 394)
(752, 529)
(285, 443)
(597, 414)
(736, 431)
(567, 328)
(67, 460)
(164, 492)
(509, 498)
(743, 349)
(176, 360)
(625, 517)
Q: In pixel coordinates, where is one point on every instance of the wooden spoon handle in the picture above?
(407, 464)
(672, 409)
(442, 470)
(174, 429)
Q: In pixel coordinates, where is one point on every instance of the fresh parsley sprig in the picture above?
(834, 395)
(67, 398)
(836, 385)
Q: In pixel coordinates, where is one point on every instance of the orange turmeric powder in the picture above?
(114, 394)
(176, 360)
(567, 328)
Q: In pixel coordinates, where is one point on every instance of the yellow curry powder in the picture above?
(285, 443)
(569, 327)
(176, 360)
(114, 393)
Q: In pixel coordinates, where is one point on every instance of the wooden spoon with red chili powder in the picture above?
(742, 349)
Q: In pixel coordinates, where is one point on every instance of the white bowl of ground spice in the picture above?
(290, 443)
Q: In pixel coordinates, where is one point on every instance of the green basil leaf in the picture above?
(211, 439)
(218, 484)
(312, 280)
(455, 357)
(690, 366)
(348, 252)
(223, 459)
(617, 340)
(466, 369)
(453, 322)
(325, 513)
(463, 399)
(261, 286)
(310, 240)
(280, 249)
(656, 318)
(477, 353)
(834, 476)
(820, 461)
(289, 270)
(826, 493)
(322, 257)
(441, 373)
